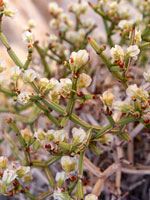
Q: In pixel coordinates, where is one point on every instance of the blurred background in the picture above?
(31, 9)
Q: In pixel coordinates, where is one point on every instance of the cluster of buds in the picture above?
(78, 8)
(11, 174)
(61, 20)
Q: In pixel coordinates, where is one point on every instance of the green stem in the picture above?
(80, 193)
(11, 53)
(49, 177)
(29, 195)
(44, 195)
(47, 113)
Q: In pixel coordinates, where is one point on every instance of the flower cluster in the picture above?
(11, 174)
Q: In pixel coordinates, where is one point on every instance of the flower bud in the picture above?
(54, 9)
(15, 73)
(108, 97)
(28, 37)
(2, 65)
(79, 135)
(22, 171)
(107, 139)
(54, 85)
(84, 81)
(61, 135)
(78, 59)
(3, 162)
(23, 98)
(117, 53)
(91, 197)
(78, 8)
(32, 23)
(27, 135)
(54, 96)
(68, 163)
(60, 178)
(40, 134)
(29, 76)
(66, 85)
(50, 135)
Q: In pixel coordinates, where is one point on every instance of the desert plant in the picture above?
(30, 93)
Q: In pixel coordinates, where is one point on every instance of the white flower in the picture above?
(2, 65)
(72, 36)
(15, 73)
(108, 97)
(147, 75)
(60, 178)
(54, 9)
(123, 9)
(68, 163)
(53, 39)
(79, 135)
(134, 92)
(29, 75)
(4, 81)
(9, 176)
(61, 135)
(22, 171)
(123, 106)
(54, 23)
(133, 51)
(78, 8)
(91, 197)
(32, 23)
(78, 59)
(88, 23)
(3, 162)
(23, 98)
(54, 85)
(50, 135)
(113, 6)
(84, 81)
(28, 37)
(44, 82)
(63, 27)
(40, 134)
(59, 195)
(66, 84)
(125, 24)
(117, 53)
